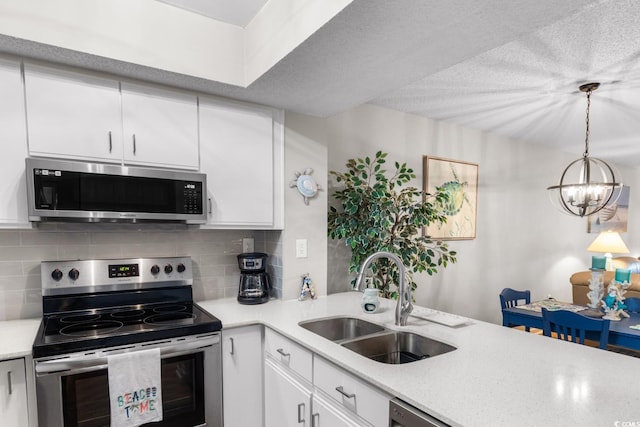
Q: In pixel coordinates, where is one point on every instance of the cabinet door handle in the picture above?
(315, 417)
(282, 353)
(134, 144)
(340, 390)
(300, 413)
(231, 351)
(9, 382)
(110, 143)
(210, 205)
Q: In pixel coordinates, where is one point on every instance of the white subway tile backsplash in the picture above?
(28, 253)
(10, 268)
(214, 254)
(9, 238)
(38, 238)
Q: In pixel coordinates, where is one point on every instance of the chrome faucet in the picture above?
(404, 306)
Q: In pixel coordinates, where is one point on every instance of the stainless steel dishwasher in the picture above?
(402, 414)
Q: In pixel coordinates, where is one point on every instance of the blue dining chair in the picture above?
(571, 326)
(633, 304)
(510, 298)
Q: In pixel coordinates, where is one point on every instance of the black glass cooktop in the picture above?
(70, 332)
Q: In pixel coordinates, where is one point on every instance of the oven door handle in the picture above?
(99, 360)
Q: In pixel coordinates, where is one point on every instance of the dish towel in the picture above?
(135, 392)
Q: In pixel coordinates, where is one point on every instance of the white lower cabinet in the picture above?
(325, 413)
(287, 400)
(327, 397)
(13, 393)
(350, 393)
(242, 376)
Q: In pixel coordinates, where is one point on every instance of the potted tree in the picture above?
(376, 212)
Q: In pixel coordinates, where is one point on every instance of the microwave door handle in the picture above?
(93, 363)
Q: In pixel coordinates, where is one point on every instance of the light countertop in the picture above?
(16, 337)
(497, 376)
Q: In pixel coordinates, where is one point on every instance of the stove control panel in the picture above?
(87, 276)
(123, 270)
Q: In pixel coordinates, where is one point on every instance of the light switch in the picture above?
(301, 248)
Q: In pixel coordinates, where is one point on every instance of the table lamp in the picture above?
(608, 242)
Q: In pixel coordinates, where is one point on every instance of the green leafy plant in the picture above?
(376, 213)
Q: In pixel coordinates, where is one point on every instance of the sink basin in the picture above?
(341, 328)
(397, 347)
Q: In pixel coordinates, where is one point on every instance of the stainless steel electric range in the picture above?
(96, 308)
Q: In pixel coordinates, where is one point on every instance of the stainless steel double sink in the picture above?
(376, 342)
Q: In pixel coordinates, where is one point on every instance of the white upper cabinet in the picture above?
(160, 127)
(73, 115)
(241, 153)
(13, 185)
(82, 116)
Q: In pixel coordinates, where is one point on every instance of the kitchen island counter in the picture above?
(497, 376)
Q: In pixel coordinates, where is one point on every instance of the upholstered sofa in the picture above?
(580, 280)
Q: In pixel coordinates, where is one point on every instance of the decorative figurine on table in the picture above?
(307, 291)
(596, 283)
(613, 304)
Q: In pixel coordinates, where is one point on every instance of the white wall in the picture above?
(158, 35)
(305, 147)
(522, 242)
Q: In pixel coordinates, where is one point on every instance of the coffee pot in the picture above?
(255, 283)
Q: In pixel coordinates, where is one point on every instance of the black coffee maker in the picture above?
(255, 283)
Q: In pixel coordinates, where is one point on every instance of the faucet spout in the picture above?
(404, 306)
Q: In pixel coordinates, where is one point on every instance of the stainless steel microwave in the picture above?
(61, 190)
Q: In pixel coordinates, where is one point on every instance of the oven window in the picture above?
(86, 395)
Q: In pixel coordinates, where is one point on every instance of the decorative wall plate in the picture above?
(305, 184)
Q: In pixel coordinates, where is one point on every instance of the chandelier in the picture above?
(588, 184)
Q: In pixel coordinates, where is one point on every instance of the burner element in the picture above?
(173, 318)
(170, 308)
(91, 329)
(128, 314)
(79, 318)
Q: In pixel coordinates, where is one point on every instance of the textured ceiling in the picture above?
(527, 88)
(505, 66)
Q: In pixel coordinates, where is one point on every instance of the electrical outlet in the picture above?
(247, 245)
(301, 248)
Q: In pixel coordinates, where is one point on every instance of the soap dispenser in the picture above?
(370, 300)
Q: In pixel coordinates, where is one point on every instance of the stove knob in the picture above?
(56, 275)
(74, 274)
(155, 269)
(181, 268)
(168, 269)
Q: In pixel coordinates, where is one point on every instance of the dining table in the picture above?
(621, 332)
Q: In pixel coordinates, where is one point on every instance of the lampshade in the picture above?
(608, 242)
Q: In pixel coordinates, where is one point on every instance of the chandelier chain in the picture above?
(586, 138)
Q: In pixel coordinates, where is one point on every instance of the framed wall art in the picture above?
(460, 180)
(613, 217)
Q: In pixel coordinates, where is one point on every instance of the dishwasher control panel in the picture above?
(401, 414)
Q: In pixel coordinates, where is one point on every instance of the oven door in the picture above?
(74, 392)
